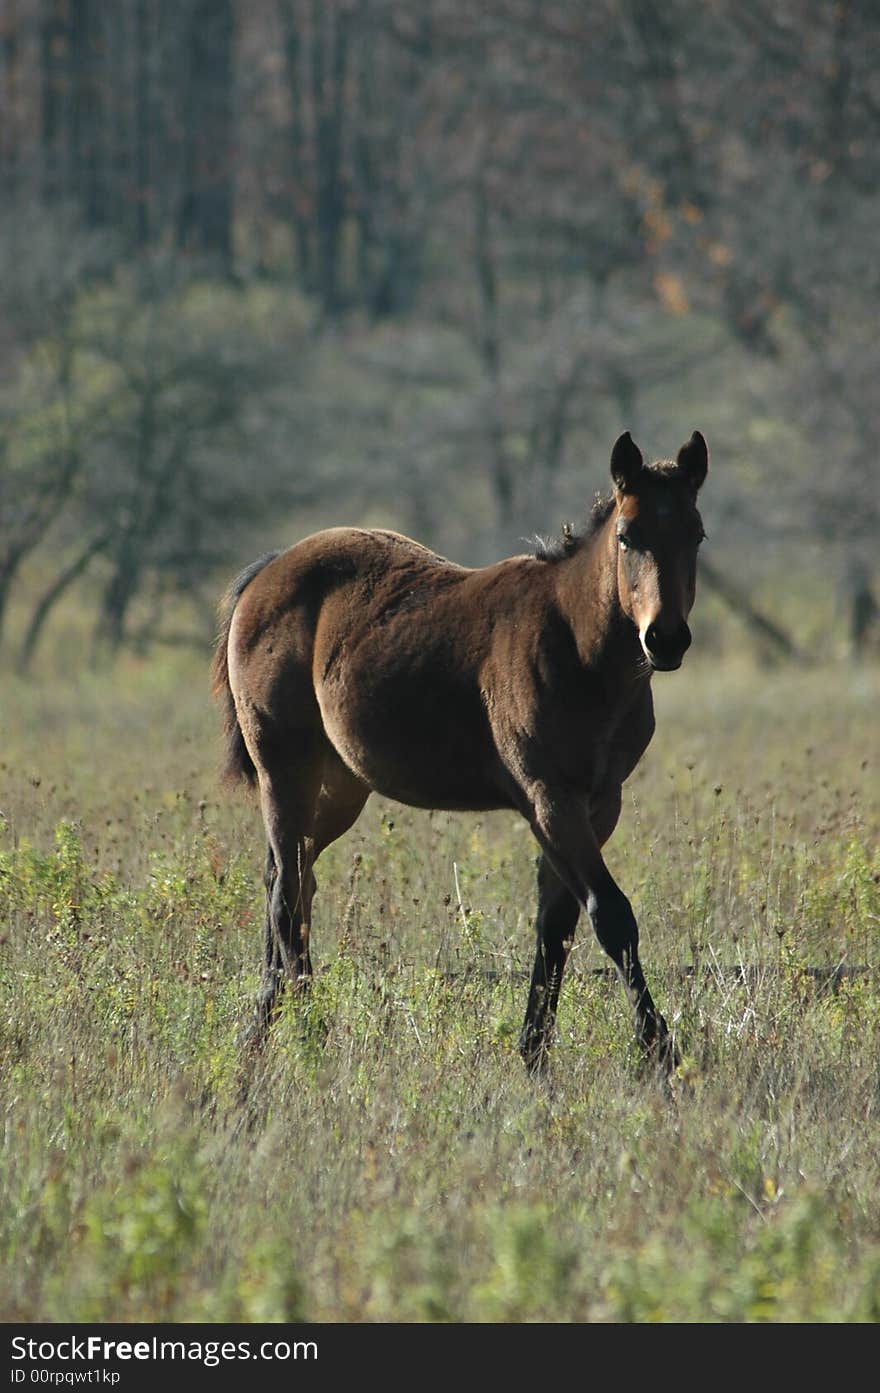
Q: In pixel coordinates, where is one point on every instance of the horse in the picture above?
(359, 661)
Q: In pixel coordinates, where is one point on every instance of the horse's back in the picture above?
(312, 602)
(360, 569)
(373, 642)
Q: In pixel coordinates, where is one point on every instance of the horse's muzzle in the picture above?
(666, 647)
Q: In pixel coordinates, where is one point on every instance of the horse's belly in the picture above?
(429, 753)
(420, 777)
(445, 795)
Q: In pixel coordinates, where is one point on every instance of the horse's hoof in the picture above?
(254, 1035)
(252, 1039)
(659, 1054)
(535, 1054)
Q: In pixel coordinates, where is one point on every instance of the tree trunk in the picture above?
(85, 119)
(50, 598)
(142, 124)
(297, 152)
(54, 49)
(771, 638)
(205, 214)
(329, 68)
(10, 133)
(490, 352)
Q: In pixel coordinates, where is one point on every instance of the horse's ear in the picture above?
(626, 463)
(693, 461)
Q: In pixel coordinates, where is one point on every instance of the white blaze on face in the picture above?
(649, 600)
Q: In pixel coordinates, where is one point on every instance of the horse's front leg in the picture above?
(558, 911)
(562, 824)
(618, 933)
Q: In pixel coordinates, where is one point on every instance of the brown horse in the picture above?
(360, 661)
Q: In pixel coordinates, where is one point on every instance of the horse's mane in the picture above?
(570, 540)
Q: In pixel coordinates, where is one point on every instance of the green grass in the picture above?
(389, 1159)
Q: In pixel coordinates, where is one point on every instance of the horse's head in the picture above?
(658, 531)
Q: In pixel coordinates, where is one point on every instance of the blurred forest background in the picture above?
(274, 265)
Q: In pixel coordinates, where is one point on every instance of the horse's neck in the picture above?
(588, 598)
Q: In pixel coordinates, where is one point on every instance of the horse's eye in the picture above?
(623, 540)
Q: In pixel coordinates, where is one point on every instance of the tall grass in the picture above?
(388, 1158)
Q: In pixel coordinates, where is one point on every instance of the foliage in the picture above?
(511, 231)
(131, 452)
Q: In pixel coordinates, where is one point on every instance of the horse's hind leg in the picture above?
(558, 911)
(302, 817)
(340, 802)
(286, 936)
(289, 802)
(269, 986)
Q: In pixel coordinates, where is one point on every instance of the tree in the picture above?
(205, 208)
(141, 473)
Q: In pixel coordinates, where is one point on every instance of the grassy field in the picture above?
(391, 1160)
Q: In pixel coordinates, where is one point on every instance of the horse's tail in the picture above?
(238, 764)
